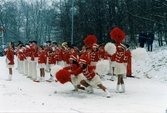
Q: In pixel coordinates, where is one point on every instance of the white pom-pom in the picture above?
(102, 67)
(139, 54)
(110, 48)
(55, 69)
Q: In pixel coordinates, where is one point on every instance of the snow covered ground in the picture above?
(142, 95)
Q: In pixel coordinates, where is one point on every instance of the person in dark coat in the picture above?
(142, 38)
(150, 39)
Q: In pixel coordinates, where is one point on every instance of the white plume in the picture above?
(139, 54)
(55, 69)
(110, 48)
(102, 67)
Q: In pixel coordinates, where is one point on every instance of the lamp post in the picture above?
(2, 30)
(72, 24)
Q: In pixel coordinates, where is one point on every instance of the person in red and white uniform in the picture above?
(47, 49)
(51, 60)
(21, 57)
(29, 54)
(112, 66)
(10, 59)
(66, 53)
(91, 78)
(41, 64)
(26, 54)
(75, 80)
(59, 56)
(129, 62)
(84, 51)
(34, 59)
(17, 50)
(102, 56)
(66, 56)
(75, 49)
(120, 67)
(72, 51)
(94, 55)
(102, 53)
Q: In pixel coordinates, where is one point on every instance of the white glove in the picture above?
(72, 76)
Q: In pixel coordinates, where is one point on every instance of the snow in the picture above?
(142, 95)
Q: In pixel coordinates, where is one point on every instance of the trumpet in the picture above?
(64, 44)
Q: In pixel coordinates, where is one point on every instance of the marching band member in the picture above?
(34, 59)
(10, 59)
(91, 42)
(129, 62)
(59, 56)
(102, 56)
(29, 54)
(75, 49)
(102, 53)
(26, 54)
(120, 67)
(17, 50)
(21, 59)
(112, 66)
(94, 55)
(65, 53)
(91, 78)
(41, 64)
(51, 61)
(75, 80)
(84, 51)
(47, 49)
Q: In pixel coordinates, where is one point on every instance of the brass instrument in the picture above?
(64, 44)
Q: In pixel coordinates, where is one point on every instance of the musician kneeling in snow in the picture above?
(75, 80)
(91, 78)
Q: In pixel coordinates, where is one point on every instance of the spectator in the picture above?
(142, 38)
(150, 39)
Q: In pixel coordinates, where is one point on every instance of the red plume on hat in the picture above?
(117, 34)
(63, 76)
(84, 60)
(90, 40)
(73, 57)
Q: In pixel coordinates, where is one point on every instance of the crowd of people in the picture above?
(80, 64)
(146, 38)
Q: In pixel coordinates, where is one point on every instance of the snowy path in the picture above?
(24, 95)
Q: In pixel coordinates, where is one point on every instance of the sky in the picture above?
(142, 95)
(49, 1)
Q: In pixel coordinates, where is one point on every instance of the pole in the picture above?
(2, 41)
(2, 30)
(72, 26)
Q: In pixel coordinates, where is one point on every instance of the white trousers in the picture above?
(21, 64)
(47, 64)
(17, 63)
(33, 70)
(29, 67)
(61, 63)
(25, 67)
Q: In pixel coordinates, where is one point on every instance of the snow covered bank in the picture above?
(142, 95)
